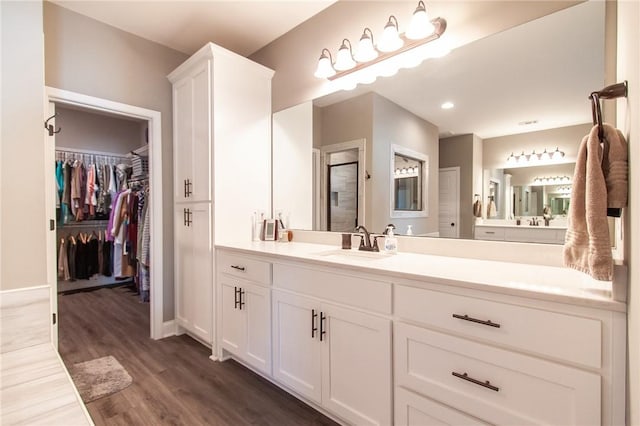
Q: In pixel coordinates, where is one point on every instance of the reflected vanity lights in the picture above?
(551, 180)
(406, 172)
(534, 158)
(393, 51)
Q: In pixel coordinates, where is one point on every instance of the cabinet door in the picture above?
(414, 410)
(257, 310)
(297, 353)
(193, 269)
(233, 319)
(356, 380)
(192, 135)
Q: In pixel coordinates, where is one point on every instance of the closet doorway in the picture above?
(151, 133)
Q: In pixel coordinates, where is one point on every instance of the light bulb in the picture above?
(557, 154)
(366, 52)
(545, 156)
(325, 67)
(390, 40)
(512, 159)
(420, 26)
(344, 59)
(533, 158)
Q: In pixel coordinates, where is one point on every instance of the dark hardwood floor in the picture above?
(174, 381)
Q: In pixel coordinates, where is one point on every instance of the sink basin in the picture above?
(353, 255)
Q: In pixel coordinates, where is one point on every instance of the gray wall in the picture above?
(85, 56)
(97, 132)
(22, 169)
(394, 125)
(457, 151)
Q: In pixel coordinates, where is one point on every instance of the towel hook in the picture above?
(50, 127)
(596, 113)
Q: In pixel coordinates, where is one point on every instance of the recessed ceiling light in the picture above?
(527, 123)
(447, 105)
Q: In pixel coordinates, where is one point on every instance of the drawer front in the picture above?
(355, 291)
(412, 409)
(243, 267)
(567, 337)
(495, 385)
(486, 233)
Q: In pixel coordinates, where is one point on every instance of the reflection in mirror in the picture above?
(507, 100)
(409, 177)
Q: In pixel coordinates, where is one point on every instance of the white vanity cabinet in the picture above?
(504, 362)
(245, 326)
(522, 234)
(221, 120)
(336, 356)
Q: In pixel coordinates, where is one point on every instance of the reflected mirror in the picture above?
(522, 92)
(409, 183)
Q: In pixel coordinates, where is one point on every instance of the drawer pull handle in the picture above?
(241, 299)
(323, 330)
(489, 232)
(239, 268)
(486, 384)
(314, 328)
(477, 321)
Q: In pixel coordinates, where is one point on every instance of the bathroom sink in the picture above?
(353, 255)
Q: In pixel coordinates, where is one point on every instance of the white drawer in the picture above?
(244, 267)
(487, 233)
(495, 385)
(412, 409)
(360, 292)
(575, 339)
(532, 235)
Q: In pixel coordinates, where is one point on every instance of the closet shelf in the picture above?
(85, 224)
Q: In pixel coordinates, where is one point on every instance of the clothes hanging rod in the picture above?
(614, 91)
(90, 152)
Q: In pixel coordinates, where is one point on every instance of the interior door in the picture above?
(52, 276)
(342, 200)
(449, 202)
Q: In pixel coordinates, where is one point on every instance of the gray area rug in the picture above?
(99, 377)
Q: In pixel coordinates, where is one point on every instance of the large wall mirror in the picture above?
(521, 95)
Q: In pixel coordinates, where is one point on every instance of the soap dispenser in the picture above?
(390, 241)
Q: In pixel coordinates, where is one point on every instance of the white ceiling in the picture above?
(241, 26)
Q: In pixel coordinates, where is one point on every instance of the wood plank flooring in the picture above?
(174, 381)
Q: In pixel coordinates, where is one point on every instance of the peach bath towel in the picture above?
(587, 247)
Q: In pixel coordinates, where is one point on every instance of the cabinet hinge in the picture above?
(54, 318)
(52, 225)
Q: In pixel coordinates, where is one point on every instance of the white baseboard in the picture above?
(169, 328)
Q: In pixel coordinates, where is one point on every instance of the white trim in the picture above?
(317, 190)
(360, 145)
(169, 328)
(401, 150)
(155, 179)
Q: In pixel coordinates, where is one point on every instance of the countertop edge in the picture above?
(609, 305)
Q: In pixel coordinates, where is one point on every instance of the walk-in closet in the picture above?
(103, 232)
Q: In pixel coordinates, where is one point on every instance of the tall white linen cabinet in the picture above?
(221, 170)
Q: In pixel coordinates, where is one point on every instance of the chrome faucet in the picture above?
(365, 239)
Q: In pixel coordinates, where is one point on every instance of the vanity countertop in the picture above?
(548, 283)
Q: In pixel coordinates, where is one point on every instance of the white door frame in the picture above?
(66, 97)
(457, 204)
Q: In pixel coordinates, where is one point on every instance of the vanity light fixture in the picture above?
(534, 158)
(393, 51)
(406, 172)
